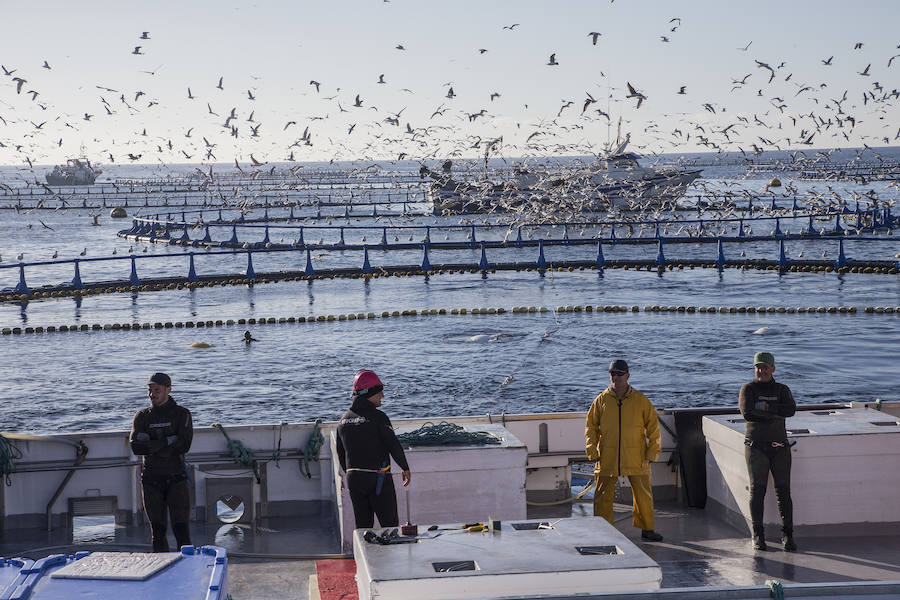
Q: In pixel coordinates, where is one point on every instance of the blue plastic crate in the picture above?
(12, 574)
(199, 574)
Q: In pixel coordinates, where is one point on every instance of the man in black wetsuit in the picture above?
(765, 404)
(365, 444)
(162, 435)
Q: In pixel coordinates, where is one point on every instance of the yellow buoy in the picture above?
(201, 345)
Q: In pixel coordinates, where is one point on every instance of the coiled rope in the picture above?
(775, 589)
(311, 452)
(240, 453)
(8, 453)
(447, 434)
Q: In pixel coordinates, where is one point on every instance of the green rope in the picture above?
(446, 434)
(240, 453)
(775, 588)
(277, 455)
(8, 453)
(311, 452)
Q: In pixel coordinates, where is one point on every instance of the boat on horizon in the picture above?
(615, 180)
(76, 171)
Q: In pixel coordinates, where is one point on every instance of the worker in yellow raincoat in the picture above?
(622, 432)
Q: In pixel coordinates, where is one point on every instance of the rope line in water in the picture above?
(446, 434)
(23, 293)
(681, 309)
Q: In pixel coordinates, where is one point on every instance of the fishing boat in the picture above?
(508, 519)
(76, 171)
(615, 179)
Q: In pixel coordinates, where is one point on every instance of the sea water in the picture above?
(441, 365)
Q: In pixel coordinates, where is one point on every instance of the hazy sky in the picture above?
(271, 50)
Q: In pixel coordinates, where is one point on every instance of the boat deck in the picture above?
(275, 561)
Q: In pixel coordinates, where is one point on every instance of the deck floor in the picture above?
(698, 551)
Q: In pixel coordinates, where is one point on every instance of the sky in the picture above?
(103, 97)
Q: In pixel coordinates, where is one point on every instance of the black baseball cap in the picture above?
(618, 365)
(160, 379)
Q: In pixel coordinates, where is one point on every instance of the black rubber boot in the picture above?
(651, 536)
(787, 538)
(759, 538)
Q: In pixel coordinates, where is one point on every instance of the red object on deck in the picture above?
(337, 579)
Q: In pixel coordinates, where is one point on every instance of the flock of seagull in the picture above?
(796, 109)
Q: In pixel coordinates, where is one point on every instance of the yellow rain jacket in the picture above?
(622, 436)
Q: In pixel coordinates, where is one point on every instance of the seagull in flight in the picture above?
(511, 27)
(552, 62)
(145, 35)
(137, 50)
(763, 65)
(220, 83)
(594, 35)
(633, 93)
(315, 83)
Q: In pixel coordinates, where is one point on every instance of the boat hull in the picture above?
(598, 193)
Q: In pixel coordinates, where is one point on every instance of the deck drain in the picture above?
(597, 549)
(737, 420)
(886, 423)
(827, 413)
(527, 526)
(456, 565)
(798, 431)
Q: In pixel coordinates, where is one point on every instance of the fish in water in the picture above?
(201, 345)
(763, 331)
(484, 338)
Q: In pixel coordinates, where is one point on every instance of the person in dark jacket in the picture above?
(161, 435)
(365, 444)
(765, 404)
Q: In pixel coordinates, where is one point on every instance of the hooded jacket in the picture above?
(622, 434)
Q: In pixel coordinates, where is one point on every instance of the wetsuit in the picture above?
(765, 405)
(365, 444)
(162, 436)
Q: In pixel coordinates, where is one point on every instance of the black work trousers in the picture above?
(369, 501)
(764, 458)
(167, 496)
